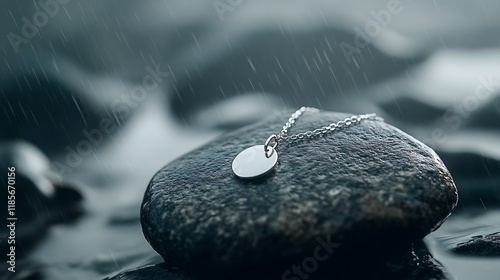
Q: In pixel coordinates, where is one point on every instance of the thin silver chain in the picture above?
(283, 135)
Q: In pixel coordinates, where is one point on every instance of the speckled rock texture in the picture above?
(367, 186)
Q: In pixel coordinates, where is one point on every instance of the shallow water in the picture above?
(460, 228)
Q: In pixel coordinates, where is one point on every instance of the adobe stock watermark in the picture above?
(363, 37)
(310, 264)
(30, 28)
(455, 116)
(121, 108)
(224, 6)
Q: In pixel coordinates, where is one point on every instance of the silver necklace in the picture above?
(259, 160)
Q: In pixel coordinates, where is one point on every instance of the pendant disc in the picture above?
(254, 162)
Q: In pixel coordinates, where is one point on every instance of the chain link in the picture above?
(283, 135)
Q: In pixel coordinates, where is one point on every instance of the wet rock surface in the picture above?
(365, 187)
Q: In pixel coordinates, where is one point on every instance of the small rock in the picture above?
(149, 272)
(41, 198)
(369, 186)
(480, 246)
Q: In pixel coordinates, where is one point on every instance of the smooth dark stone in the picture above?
(149, 272)
(480, 246)
(41, 199)
(365, 187)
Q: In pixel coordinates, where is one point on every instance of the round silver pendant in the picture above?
(254, 162)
